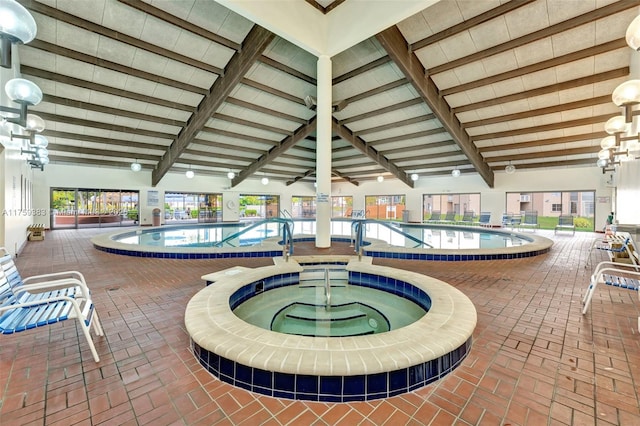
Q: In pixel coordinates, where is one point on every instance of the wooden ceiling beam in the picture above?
(419, 147)
(566, 85)
(54, 147)
(101, 140)
(469, 23)
(181, 23)
(544, 154)
(113, 66)
(301, 133)
(264, 110)
(361, 70)
(540, 66)
(585, 18)
(104, 126)
(310, 172)
(600, 100)
(370, 152)
(380, 111)
(381, 89)
(416, 135)
(544, 142)
(542, 164)
(544, 128)
(76, 21)
(394, 43)
(89, 85)
(247, 123)
(253, 45)
(57, 100)
(397, 124)
(345, 177)
(240, 136)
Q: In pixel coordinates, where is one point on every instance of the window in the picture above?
(550, 205)
(458, 203)
(259, 206)
(384, 207)
(93, 208)
(303, 207)
(341, 206)
(192, 207)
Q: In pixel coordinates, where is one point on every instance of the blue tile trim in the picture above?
(331, 388)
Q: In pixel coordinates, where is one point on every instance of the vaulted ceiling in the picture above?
(473, 85)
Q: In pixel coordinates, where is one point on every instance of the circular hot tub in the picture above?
(337, 369)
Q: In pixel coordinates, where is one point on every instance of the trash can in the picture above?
(155, 221)
(405, 216)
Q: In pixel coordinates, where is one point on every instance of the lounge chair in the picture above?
(45, 299)
(450, 217)
(435, 216)
(484, 219)
(616, 246)
(565, 223)
(511, 220)
(467, 217)
(530, 220)
(622, 275)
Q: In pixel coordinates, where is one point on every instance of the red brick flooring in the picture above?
(536, 360)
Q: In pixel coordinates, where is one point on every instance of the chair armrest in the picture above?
(608, 265)
(47, 277)
(56, 284)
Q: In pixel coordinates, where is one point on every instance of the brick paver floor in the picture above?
(535, 360)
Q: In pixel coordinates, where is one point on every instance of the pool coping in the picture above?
(271, 247)
(448, 325)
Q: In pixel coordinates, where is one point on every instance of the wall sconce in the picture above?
(36, 143)
(135, 166)
(624, 142)
(16, 26)
(24, 93)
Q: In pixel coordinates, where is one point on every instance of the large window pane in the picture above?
(384, 207)
(550, 205)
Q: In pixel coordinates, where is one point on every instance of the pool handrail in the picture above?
(357, 224)
(287, 234)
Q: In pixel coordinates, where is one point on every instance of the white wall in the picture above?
(492, 199)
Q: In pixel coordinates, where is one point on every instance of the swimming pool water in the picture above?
(209, 235)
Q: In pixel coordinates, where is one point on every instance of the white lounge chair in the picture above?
(565, 223)
(45, 299)
(622, 275)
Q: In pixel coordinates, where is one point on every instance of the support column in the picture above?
(323, 153)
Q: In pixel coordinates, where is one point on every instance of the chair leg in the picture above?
(587, 297)
(97, 327)
(87, 334)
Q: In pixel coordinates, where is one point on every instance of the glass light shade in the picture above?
(44, 161)
(189, 174)
(16, 23)
(510, 169)
(627, 93)
(34, 123)
(265, 181)
(231, 175)
(455, 172)
(41, 141)
(23, 91)
(633, 34)
(604, 153)
(602, 162)
(42, 152)
(414, 177)
(136, 167)
(615, 125)
(608, 142)
(380, 178)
